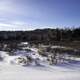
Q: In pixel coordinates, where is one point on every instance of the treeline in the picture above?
(42, 35)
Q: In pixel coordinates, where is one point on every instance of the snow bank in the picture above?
(16, 72)
(66, 71)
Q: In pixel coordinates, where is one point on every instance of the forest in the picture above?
(45, 36)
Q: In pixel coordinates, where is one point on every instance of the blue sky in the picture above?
(33, 14)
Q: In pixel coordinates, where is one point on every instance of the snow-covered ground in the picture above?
(11, 71)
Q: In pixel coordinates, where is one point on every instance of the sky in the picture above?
(38, 14)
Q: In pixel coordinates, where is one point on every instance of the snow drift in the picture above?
(11, 69)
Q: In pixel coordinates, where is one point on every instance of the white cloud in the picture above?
(19, 8)
(11, 11)
(5, 6)
(15, 25)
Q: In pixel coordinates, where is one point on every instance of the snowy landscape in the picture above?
(39, 39)
(30, 65)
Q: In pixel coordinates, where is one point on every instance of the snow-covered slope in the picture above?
(20, 54)
(17, 72)
(10, 71)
